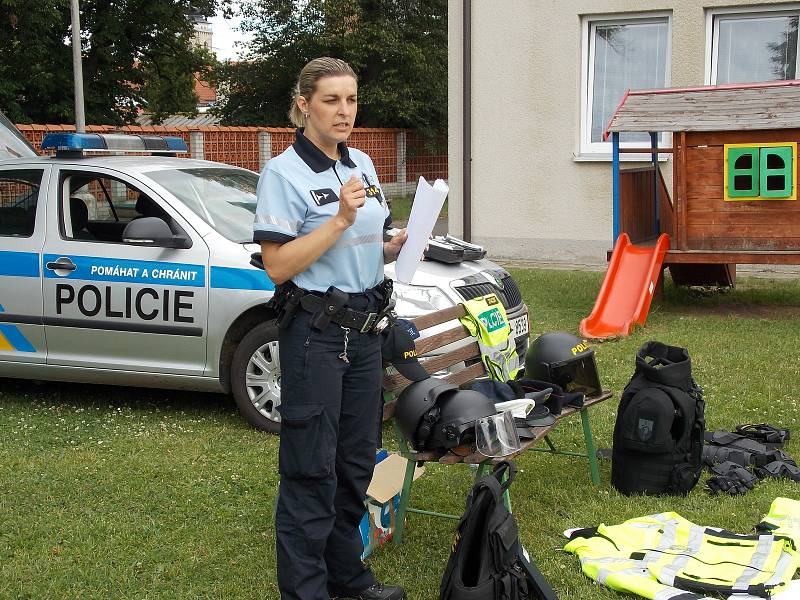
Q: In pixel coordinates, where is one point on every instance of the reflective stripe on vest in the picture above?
(665, 556)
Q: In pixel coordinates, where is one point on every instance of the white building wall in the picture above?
(203, 35)
(533, 197)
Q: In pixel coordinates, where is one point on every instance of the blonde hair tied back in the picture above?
(306, 85)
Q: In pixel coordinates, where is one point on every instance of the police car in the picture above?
(135, 270)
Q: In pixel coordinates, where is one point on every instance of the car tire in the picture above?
(256, 377)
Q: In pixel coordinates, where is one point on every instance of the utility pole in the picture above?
(77, 69)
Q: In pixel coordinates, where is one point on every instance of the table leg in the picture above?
(405, 495)
(506, 496)
(484, 468)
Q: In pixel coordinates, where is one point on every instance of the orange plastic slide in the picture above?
(627, 290)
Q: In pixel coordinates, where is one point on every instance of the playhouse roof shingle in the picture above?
(773, 105)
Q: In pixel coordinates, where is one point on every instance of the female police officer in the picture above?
(320, 220)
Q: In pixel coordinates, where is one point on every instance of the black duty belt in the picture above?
(363, 322)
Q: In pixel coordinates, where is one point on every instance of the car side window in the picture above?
(19, 194)
(97, 208)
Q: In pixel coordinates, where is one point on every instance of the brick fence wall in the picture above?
(400, 156)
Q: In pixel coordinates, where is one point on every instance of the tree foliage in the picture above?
(136, 53)
(397, 47)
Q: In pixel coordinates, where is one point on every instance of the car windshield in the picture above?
(12, 143)
(223, 198)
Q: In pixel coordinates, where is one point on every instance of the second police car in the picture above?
(135, 270)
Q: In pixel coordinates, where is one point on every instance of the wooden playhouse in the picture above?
(734, 186)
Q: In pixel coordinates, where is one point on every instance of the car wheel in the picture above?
(256, 377)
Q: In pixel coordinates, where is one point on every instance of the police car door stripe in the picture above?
(17, 340)
(97, 324)
(19, 264)
(96, 268)
(11, 338)
(5, 345)
(124, 326)
(20, 319)
(240, 279)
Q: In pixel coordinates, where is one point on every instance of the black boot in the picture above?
(377, 591)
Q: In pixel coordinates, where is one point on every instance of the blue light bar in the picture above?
(73, 141)
(112, 142)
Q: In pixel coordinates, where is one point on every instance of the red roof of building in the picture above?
(206, 93)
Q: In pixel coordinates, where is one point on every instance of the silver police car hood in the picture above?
(432, 273)
(429, 272)
(12, 143)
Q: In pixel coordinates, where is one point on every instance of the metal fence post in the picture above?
(196, 145)
(401, 161)
(264, 148)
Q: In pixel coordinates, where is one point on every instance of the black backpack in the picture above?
(658, 436)
(488, 561)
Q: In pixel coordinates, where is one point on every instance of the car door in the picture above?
(22, 229)
(113, 305)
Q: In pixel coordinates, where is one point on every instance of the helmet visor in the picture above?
(496, 435)
(577, 376)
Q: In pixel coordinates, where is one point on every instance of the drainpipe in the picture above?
(466, 63)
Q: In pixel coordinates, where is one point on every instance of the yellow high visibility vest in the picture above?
(783, 519)
(664, 557)
(486, 320)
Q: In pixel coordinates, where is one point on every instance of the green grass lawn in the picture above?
(401, 208)
(126, 493)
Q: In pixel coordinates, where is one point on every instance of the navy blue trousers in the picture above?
(329, 411)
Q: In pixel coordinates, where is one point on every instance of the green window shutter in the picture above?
(743, 172)
(776, 172)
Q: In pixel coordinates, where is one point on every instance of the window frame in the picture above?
(602, 151)
(712, 33)
(69, 171)
(759, 146)
(42, 188)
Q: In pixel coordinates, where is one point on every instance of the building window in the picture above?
(620, 54)
(757, 45)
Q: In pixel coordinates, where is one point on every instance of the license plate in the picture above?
(519, 326)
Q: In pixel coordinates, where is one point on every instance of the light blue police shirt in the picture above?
(299, 190)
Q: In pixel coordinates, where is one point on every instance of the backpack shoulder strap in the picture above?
(543, 589)
(507, 469)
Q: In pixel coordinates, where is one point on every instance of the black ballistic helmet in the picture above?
(565, 360)
(413, 404)
(436, 415)
(457, 413)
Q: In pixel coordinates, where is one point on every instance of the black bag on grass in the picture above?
(658, 436)
(487, 561)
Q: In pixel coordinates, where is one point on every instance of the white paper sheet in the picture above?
(519, 408)
(428, 202)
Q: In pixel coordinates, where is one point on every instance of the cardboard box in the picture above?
(383, 500)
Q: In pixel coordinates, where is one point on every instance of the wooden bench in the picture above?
(474, 369)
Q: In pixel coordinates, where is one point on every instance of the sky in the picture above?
(225, 36)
